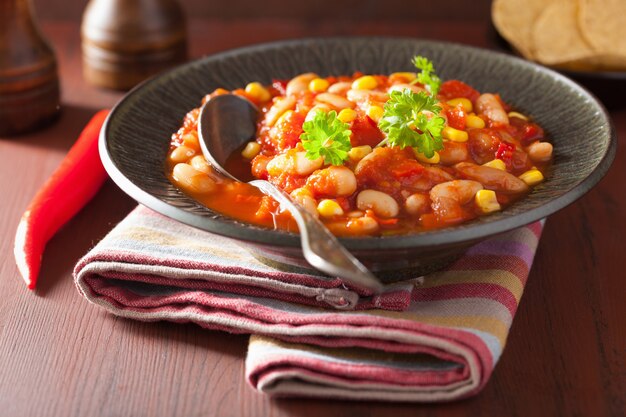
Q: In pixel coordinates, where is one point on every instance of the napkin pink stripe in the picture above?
(472, 290)
(431, 339)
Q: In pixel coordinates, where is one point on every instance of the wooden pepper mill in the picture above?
(29, 83)
(126, 41)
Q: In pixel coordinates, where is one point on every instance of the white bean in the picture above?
(340, 87)
(382, 204)
(540, 151)
(448, 197)
(293, 163)
(355, 214)
(359, 226)
(191, 141)
(278, 165)
(453, 153)
(318, 107)
(417, 204)
(300, 83)
(278, 108)
(305, 199)
(334, 181)
(182, 154)
(400, 87)
(490, 106)
(334, 100)
(192, 180)
(304, 165)
(362, 226)
(200, 164)
(360, 96)
(492, 178)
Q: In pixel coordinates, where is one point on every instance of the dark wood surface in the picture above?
(60, 356)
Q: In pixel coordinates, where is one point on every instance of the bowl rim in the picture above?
(427, 239)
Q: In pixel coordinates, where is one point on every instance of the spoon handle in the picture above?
(320, 247)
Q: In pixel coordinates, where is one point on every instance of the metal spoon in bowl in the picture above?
(226, 122)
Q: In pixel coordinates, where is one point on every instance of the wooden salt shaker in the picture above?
(126, 41)
(29, 83)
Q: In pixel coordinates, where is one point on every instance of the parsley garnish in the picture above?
(406, 124)
(427, 75)
(326, 136)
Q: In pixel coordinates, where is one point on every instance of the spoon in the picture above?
(226, 122)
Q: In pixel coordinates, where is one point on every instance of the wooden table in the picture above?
(60, 356)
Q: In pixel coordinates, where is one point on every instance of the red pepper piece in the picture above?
(530, 132)
(456, 117)
(365, 131)
(454, 89)
(505, 153)
(280, 86)
(77, 179)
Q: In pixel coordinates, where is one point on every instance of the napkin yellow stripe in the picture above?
(487, 324)
(498, 277)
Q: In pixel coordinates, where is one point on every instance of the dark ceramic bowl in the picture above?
(135, 139)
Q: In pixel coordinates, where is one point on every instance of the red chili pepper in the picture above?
(505, 152)
(70, 187)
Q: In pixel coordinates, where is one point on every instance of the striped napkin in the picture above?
(433, 338)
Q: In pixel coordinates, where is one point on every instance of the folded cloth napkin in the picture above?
(432, 338)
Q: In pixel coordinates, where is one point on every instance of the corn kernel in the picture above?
(346, 115)
(455, 135)
(486, 201)
(318, 85)
(532, 177)
(497, 164)
(366, 82)
(251, 150)
(375, 113)
(406, 76)
(329, 208)
(358, 152)
(257, 92)
(465, 104)
(422, 158)
(518, 115)
(474, 121)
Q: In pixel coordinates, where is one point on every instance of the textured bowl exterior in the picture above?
(135, 139)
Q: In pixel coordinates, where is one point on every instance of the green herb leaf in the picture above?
(326, 136)
(411, 119)
(427, 75)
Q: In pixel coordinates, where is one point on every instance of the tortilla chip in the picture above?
(603, 25)
(580, 35)
(555, 35)
(514, 20)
